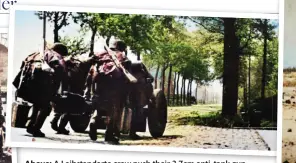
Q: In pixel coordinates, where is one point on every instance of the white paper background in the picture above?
(252, 6)
(51, 155)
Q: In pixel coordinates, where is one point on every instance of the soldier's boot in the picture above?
(54, 121)
(116, 135)
(63, 123)
(93, 130)
(41, 117)
(111, 136)
(30, 126)
(30, 129)
(132, 134)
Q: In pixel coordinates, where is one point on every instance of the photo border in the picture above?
(121, 147)
(280, 79)
(14, 155)
(4, 30)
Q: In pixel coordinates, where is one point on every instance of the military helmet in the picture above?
(60, 48)
(117, 44)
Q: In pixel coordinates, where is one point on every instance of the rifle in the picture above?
(130, 77)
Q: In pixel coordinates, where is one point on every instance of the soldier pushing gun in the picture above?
(109, 86)
(38, 82)
(111, 83)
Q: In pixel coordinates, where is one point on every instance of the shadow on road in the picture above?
(166, 137)
(83, 138)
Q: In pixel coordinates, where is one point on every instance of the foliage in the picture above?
(213, 119)
(289, 69)
(75, 45)
(58, 19)
(268, 124)
(199, 56)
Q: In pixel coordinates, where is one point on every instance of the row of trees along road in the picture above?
(242, 52)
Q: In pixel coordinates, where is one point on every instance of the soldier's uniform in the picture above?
(42, 110)
(74, 83)
(107, 83)
(117, 46)
(63, 117)
(62, 49)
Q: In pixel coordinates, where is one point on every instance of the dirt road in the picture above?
(174, 136)
(289, 125)
(289, 118)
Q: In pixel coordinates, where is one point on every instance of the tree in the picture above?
(266, 29)
(75, 45)
(93, 22)
(235, 38)
(58, 19)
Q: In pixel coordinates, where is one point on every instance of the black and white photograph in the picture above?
(5, 152)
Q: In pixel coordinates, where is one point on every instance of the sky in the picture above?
(28, 39)
(29, 32)
(290, 34)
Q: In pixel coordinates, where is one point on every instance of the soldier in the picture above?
(63, 50)
(42, 110)
(119, 47)
(107, 83)
(77, 69)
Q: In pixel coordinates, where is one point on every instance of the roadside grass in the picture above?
(203, 115)
(209, 115)
(183, 111)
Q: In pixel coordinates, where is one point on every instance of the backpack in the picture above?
(34, 81)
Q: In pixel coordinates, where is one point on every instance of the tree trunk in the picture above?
(181, 97)
(184, 93)
(231, 68)
(107, 40)
(163, 77)
(160, 82)
(92, 40)
(177, 86)
(56, 36)
(245, 94)
(156, 77)
(265, 34)
(174, 93)
(205, 96)
(56, 27)
(44, 31)
(249, 82)
(169, 83)
(196, 91)
(188, 92)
